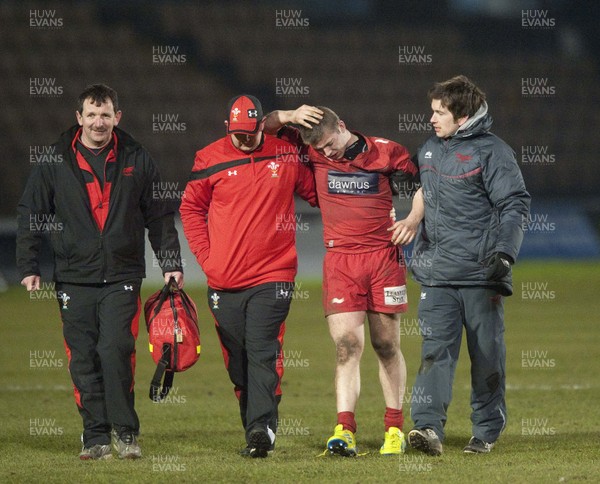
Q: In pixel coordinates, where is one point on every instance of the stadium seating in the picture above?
(352, 67)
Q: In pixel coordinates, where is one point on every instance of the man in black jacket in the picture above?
(95, 201)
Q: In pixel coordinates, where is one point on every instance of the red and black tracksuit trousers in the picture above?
(251, 324)
(100, 326)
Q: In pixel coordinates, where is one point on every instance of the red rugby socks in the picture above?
(347, 420)
(393, 418)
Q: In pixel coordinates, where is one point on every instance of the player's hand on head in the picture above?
(307, 116)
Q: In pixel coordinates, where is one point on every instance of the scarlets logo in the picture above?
(460, 158)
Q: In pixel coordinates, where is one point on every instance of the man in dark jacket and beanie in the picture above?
(475, 205)
(96, 201)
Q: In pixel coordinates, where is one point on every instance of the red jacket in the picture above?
(238, 212)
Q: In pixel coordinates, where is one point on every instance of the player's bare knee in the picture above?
(347, 348)
(386, 350)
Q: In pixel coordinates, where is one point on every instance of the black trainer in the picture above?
(425, 440)
(126, 445)
(245, 452)
(259, 444)
(478, 446)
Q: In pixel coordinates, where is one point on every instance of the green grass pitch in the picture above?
(553, 433)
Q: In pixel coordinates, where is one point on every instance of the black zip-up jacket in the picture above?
(56, 202)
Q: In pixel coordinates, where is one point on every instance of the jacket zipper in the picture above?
(104, 264)
(443, 153)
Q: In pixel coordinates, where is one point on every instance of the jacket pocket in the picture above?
(483, 247)
(58, 246)
(487, 247)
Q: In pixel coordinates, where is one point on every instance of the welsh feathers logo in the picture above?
(65, 298)
(215, 299)
(235, 112)
(273, 167)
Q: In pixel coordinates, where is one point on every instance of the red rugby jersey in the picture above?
(355, 195)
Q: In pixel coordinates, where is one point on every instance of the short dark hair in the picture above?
(98, 93)
(459, 95)
(329, 122)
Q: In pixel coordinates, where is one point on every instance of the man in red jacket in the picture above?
(364, 275)
(241, 186)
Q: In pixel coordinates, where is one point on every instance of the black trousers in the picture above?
(100, 326)
(251, 325)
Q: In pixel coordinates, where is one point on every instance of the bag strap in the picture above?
(176, 331)
(156, 392)
(164, 294)
(188, 307)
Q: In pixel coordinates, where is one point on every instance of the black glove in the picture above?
(498, 266)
